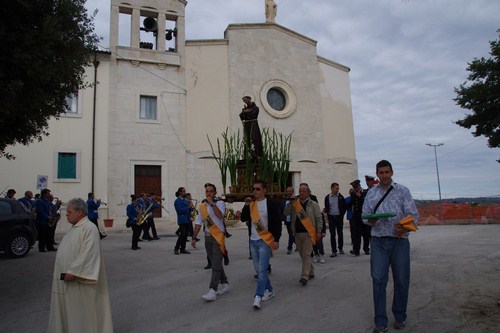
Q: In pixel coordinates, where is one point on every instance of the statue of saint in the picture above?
(251, 130)
(271, 11)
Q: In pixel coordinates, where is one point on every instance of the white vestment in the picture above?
(81, 305)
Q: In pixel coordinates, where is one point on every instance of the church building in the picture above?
(143, 125)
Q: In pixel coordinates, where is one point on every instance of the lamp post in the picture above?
(437, 172)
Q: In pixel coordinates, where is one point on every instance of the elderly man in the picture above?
(80, 299)
(306, 227)
(28, 202)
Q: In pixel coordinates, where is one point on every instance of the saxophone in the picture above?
(143, 216)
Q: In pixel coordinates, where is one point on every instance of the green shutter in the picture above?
(66, 166)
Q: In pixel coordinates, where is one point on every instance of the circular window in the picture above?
(278, 99)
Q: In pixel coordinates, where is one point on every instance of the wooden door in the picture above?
(148, 180)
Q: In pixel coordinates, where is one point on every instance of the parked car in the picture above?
(17, 228)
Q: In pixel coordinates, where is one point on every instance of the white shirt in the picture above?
(262, 206)
(219, 222)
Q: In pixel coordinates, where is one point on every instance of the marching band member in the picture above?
(132, 214)
(183, 208)
(152, 204)
(93, 212)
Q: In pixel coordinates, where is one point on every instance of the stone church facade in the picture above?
(143, 127)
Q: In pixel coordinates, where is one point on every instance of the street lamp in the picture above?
(437, 172)
(437, 169)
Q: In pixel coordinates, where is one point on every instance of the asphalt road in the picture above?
(454, 287)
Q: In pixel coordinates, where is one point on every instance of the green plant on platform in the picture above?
(232, 153)
(282, 165)
(266, 172)
(273, 165)
(221, 162)
(275, 162)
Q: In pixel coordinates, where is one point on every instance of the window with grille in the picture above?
(66, 165)
(148, 108)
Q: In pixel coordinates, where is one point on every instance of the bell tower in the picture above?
(148, 30)
(147, 108)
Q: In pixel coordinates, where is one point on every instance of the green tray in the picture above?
(378, 216)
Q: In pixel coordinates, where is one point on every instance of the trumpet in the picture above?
(58, 202)
(102, 202)
(157, 197)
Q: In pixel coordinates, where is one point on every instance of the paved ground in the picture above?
(454, 287)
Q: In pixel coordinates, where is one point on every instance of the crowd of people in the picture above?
(79, 262)
(46, 211)
(380, 236)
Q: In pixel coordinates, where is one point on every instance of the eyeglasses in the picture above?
(257, 189)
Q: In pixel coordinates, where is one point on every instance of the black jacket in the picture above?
(342, 206)
(273, 216)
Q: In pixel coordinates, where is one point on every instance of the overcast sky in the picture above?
(406, 57)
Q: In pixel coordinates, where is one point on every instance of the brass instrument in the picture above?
(194, 212)
(158, 200)
(143, 216)
(101, 202)
(58, 202)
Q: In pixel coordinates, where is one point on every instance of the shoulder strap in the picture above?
(382, 199)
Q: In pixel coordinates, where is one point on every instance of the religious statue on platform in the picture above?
(271, 11)
(251, 130)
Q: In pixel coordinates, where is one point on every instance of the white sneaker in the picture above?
(223, 288)
(210, 296)
(322, 259)
(267, 295)
(315, 258)
(257, 302)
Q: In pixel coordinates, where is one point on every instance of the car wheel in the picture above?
(18, 245)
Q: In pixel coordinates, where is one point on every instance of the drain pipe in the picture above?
(95, 63)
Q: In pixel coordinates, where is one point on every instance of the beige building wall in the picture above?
(69, 133)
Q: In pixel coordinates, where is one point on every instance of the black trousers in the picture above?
(96, 224)
(151, 225)
(357, 232)
(181, 240)
(145, 229)
(367, 235)
(336, 226)
(318, 248)
(291, 239)
(44, 237)
(136, 232)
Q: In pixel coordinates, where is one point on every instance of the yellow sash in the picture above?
(305, 220)
(266, 236)
(212, 227)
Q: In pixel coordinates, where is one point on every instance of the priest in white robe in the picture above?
(80, 298)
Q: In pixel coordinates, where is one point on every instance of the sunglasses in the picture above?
(257, 189)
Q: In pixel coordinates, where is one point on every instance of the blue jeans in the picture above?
(261, 253)
(395, 253)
